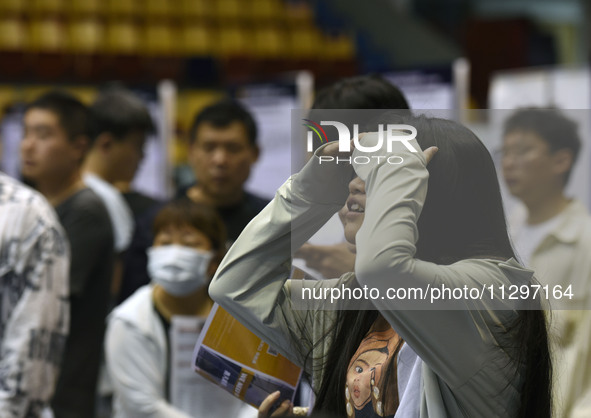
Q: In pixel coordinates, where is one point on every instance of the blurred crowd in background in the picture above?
(150, 97)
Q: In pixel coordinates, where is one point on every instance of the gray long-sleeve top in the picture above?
(465, 372)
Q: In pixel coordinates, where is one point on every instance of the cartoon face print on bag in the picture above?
(366, 375)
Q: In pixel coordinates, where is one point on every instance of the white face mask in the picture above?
(178, 269)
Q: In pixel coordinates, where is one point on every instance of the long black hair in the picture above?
(462, 218)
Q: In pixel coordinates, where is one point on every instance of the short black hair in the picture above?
(558, 131)
(184, 211)
(73, 115)
(221, 114)
(362, 92)
(350, 94)
(119, 112)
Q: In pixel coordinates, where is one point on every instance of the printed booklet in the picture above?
(234, 358)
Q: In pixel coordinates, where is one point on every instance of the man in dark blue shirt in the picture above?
(223, 149)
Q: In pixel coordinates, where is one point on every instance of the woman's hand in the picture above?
(330, 260)
(284, 410)
(429, 153)
(332, 149)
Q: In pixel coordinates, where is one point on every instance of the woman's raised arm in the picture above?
(251, 280)
(458, 344)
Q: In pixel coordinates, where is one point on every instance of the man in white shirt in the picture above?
(120, 123)
(553, 236)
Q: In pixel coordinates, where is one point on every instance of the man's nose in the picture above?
(508, 161)
(26, 143)
(220, 156)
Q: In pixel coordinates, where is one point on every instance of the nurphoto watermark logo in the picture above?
(388, 136)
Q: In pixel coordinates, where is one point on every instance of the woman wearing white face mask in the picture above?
(188, 246)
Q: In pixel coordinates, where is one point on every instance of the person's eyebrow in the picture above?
(363, 361)
(39, 127)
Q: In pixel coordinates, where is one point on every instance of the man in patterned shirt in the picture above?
(34, 306)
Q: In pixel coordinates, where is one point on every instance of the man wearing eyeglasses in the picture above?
(553, 237)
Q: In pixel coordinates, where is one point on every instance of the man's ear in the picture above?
(192, 149)
(103, 142)
(81, 146)
(256, 152)
(562, 161)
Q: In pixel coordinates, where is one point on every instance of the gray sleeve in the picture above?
(454, 343)
(251, 281)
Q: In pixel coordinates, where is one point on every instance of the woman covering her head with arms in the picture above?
(367, 92)
(189, 242)
(435, 219)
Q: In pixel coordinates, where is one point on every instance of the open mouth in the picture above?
(355, 207)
